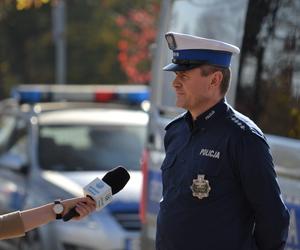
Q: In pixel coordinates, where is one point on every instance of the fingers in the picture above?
(88, 200)
(84, 209)
(84, 206)
(69, 203)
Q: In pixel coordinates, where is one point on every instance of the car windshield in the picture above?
(90, 147)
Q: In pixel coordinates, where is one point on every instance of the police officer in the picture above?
(219, 185)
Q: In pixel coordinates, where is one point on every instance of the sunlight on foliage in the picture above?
(138, 32)
(26, 4)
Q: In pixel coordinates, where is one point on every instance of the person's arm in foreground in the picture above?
(17, 223)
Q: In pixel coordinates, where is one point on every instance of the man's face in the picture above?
(193, 90)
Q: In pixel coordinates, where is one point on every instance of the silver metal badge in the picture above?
(200, 187)
(171, 41)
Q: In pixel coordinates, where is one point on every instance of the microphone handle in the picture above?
(69, 215)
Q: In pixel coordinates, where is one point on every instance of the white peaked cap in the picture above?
(191, 51)
(185, 41)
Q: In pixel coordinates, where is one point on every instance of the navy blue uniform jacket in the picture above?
(244, 209)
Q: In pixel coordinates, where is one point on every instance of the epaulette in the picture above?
(176, 119)
(246, 124)
(241, 124)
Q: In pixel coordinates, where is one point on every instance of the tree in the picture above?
(26, 47)
(138, 33)
(92, 36)
(270, 53)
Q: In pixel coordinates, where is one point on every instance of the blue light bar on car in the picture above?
(134, 98)
(31, 96)
(126, 94)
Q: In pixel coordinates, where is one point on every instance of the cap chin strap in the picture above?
(188, 62)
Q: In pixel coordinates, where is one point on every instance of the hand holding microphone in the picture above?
(101, 191)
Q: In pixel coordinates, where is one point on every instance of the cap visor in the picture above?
(180, 67)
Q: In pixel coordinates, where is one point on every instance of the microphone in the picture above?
(101, 191)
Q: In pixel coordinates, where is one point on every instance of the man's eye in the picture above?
(184, 77)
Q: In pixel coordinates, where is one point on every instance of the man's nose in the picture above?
(176, 82)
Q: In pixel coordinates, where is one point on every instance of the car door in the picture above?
(14, 162)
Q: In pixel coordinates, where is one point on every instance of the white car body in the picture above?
(25, 182)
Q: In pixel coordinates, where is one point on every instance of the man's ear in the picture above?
(217, 79)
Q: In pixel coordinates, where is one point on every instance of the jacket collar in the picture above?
(208, 117)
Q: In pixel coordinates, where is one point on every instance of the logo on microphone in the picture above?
(107, 197)
(93, 190)
(99, 185)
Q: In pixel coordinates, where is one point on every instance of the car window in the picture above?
(71, 148)
(20, 148)
(7, 125)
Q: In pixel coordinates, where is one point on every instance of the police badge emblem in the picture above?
(200, 187)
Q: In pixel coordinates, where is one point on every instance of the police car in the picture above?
(54, 140)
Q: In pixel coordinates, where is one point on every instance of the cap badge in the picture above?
(200, 187)
(171, 41)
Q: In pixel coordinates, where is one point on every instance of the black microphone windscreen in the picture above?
(116, 178)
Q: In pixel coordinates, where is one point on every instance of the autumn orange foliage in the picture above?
(138, 31)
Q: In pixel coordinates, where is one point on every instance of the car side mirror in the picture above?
(14, 162)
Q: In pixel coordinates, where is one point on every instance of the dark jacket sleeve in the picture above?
(259, 182)
(11, 225)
